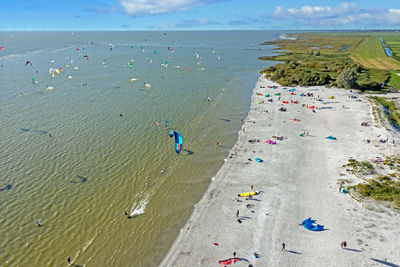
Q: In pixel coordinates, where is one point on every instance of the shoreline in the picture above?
(297, 180)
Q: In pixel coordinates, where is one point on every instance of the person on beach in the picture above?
(251, 187)
(283, 246)
(234, 254)
(344, 244)
(237, 214)
(341, 245)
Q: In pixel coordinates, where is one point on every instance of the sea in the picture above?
(84, 125)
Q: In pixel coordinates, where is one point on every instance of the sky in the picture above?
(165, 15)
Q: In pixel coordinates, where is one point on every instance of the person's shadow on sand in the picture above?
(384, 262)
(352, 249)
(293, 252)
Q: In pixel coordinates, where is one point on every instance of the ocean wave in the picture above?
(34, 52)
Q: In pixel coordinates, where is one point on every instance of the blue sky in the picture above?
(198, 14)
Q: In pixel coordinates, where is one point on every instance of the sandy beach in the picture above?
(297, 179)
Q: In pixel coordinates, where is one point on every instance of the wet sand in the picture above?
(297, 179)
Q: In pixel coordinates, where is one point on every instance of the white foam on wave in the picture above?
(139, 208)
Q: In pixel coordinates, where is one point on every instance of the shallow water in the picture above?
(70, 160)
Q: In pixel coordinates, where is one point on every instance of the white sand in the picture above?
(298, 179)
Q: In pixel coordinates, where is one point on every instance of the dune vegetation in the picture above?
(320, 59)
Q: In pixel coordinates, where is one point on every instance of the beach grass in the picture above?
(391, 110)
(380, 183)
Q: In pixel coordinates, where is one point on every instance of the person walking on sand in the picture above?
(344, 244)
(234, 254)
(237, 214)
(341, 244)
(251, 187)
(283, 246)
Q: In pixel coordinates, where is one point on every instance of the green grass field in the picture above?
(394, 80)
(371, 54)
(393, 41)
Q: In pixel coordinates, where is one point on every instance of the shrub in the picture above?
(347, 79)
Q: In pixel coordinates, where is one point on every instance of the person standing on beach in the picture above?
(344, 244)
(237, 214)
(341, 244)
(283, 246)
(251, 187)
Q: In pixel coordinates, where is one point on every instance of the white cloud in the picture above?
(137, 7)
(187, 24)
(341, 15)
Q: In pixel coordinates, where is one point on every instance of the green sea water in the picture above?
(80, 148)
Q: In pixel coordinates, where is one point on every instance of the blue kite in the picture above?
(309, 224)
(178, 140)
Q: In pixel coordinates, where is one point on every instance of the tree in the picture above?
(347, 79)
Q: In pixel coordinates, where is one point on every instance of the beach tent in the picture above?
(309, 224)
